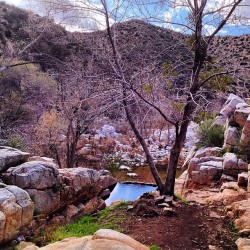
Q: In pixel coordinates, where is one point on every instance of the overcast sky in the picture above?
(175, 13)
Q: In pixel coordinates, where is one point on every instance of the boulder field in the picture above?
(40, 188)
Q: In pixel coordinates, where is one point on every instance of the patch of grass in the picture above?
(180, 198)
(87, 225)
(154, 247)
(233, 230)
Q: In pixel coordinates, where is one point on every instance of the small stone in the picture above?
(167, 211)
(214, 215)
(177, 204)
(169, 199)
(130, 208)
(230, 214)
(210, 247)
(162, 205)
(159, 199)
(132, 175)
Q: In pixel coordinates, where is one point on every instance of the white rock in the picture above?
(230, 164)
(10, 157)
(16, 211)
(241, 115)
(132, 175)
(231, 137)
(230, 105)
(125, 168)
(245, 136)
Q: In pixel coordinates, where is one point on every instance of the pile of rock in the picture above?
(153, 204)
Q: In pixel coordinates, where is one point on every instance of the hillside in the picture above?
(76, 59)
(140, 45)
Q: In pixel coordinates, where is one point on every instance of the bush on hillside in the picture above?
(210, 136)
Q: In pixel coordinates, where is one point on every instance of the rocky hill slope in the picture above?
(140, 45)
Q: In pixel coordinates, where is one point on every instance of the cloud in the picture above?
(215, 11)
(19, 3)
(74, 15)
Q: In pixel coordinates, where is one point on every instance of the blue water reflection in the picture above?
(128, 192)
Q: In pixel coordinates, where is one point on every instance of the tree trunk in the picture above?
(176, 149)
(143, 144)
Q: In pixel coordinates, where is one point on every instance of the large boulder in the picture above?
(248, 186)
(232, 165)
(231, 137)
(51, 188)
(46, 201)
(241, 115)
(230, 105)
(10, 157)
(205, 170)
(243, 244)
(210, 151)
(103, 239)
(241, 213)
(245, 136)
(79, 184)
(16, 211)
(33, 175)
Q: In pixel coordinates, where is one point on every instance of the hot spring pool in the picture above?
(128, 192)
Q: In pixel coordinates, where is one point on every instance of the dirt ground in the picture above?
(190, 227)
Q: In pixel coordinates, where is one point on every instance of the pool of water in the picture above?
(128, 192)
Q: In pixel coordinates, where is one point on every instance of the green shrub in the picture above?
(210, 136)
(243, 152)
(16, 141)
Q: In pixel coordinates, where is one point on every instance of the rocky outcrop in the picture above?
(232, 165)
(208, 169)
(205, 170)
(210, 151)
(245, 136)
(243, 244)
(16, 211)
(10, 157)
(248, 186)
(103, 239)
(240, 210)
(51, 188)
(231, 137)
(230, 105)
(241, 114)
(202, 170)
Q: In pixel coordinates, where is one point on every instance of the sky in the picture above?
(176, 13)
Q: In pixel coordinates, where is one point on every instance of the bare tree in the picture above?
(131, 81)
(28, 29)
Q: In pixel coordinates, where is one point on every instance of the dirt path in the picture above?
(190, 227)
